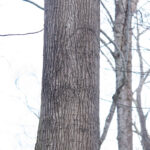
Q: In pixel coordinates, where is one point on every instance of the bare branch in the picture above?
(109, 39)
(108, 12)
(142, 76)
(146, 75)
(148, 28)
(143, 79)
(31, 109)
(147, 114)
(106, 45)
(31, 2)
(111, 112)
(136, 129)
(116, 47)
(108, 122)
(21, 34)
(138, 49)
(108, 60)
(123, 105)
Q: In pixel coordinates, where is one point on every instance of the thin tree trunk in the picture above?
(123, 57)
(69, 118)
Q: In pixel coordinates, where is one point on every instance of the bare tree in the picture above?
(143, 132)
(124, 10)
(69, 117)
(123, 60)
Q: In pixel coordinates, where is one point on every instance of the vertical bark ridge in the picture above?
(69, 118)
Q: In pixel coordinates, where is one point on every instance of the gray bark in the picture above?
(69, 118)
(123, 57)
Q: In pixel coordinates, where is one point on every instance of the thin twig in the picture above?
(111, 112)
(136, 129)
(31, 2)
(108, 60)
(108, 12)
(123, 105)
(106, 45)
(21, 34)
(116, 47)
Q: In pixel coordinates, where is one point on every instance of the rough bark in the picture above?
(69, 118)
(123, 57)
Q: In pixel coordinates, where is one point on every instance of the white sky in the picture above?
(20, 77)
(20, 73)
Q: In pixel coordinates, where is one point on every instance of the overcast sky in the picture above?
(20, 73)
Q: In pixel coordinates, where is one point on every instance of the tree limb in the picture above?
(31, 2)
(136, 129)
(112, 53)
(21, 34)
(108, 122)
(108, 13)
(111, 112)
(108, 60)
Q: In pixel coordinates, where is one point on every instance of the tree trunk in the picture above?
(69, 118)
(123, 58)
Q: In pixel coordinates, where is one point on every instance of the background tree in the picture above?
(122, 55)
(142, 27)
(123, 61)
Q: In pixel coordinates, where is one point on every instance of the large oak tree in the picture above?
(69, 118)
